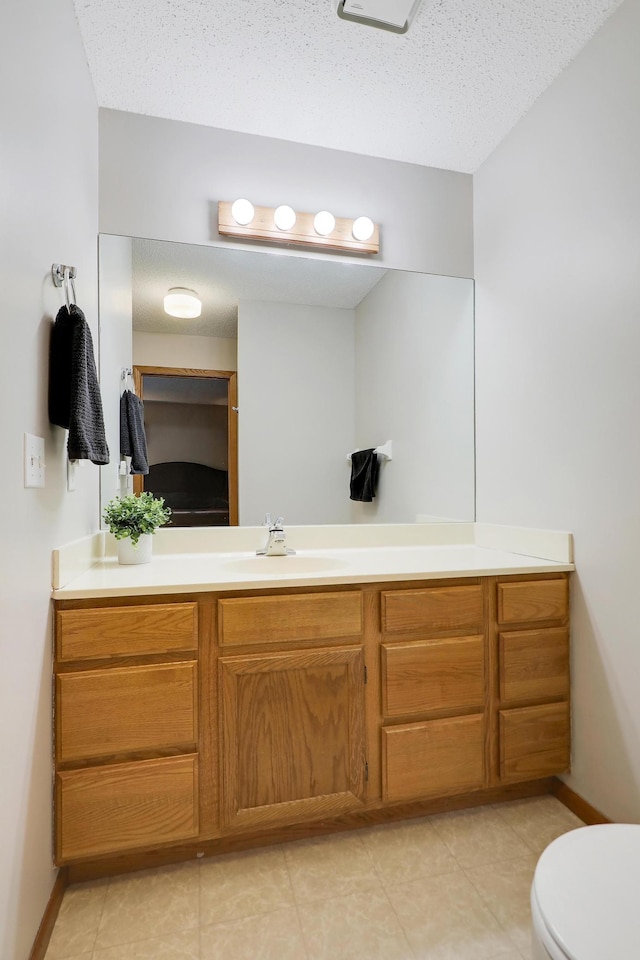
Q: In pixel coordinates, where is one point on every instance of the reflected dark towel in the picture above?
(364, 475)
(74, 394)
(133, 440)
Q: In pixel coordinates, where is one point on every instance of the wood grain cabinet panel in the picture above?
(118, 710)
(126, 806)
(306, 616)
(292, 728)
(531, 600)
(426, 675)
(432, 758)
(534, 664)
(432, 609)
(97, 632)
(534, 741)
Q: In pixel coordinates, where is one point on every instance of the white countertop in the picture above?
(186, 572)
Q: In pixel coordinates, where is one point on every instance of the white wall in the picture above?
(414, 386)
(116, 312)
(162, 179)
(177, 350)
(48, 197)
(296, 419)
(557, 249)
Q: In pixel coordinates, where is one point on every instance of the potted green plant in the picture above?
(133, 520)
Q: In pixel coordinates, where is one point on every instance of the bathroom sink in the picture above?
(292, 564)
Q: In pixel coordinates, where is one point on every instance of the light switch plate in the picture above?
(34, 463)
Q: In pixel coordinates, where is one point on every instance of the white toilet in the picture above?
(585, 897)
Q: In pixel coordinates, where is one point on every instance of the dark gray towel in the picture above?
(364, 475)
(74, 394)
(133, 440)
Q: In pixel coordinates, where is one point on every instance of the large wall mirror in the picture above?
(294, 363)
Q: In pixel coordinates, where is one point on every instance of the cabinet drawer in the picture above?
(434, 608)
(434, 758)
(534, 664)
(534, 741)
(126, 631)
(126, 806)
(533, 600)
(432, 675)
(118, 710)
(305, 616)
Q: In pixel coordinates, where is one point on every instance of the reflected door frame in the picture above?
(231, 376)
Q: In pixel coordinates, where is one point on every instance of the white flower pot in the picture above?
(141, 553)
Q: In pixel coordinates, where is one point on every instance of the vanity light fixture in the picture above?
(324, 223)
(183, 303)
(242, 211)
(284, 217)
(284, 225)
(363, 228)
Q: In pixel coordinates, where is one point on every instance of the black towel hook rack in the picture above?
(63, 274)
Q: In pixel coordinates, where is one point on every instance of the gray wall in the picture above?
(557, 249)
(296, 399)
(414, 386)
(162, 179)
(49, 207)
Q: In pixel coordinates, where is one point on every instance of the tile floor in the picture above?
(448, 887)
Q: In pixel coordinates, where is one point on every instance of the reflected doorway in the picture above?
(190, 419)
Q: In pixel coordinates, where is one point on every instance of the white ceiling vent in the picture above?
(394, 15)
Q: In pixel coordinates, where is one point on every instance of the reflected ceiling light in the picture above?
(242, 212)
(363, 228)
(284, 217)
(182, 302)
(240, 220)
(324, 223)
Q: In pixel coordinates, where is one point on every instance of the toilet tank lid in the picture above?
(587, 887)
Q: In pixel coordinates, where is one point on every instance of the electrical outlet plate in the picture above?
(34, 463)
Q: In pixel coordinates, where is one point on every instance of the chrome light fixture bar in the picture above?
(283, 225)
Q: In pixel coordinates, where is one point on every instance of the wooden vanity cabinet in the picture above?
(184, 723)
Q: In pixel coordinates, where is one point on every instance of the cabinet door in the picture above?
(292, 731)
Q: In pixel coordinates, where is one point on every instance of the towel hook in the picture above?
(384, 451)
(69, 281)
(65, 275)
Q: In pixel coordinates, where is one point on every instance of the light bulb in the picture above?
(284, 217)
(242, 212)
(324, 223)
(182, 302)
(362, 229)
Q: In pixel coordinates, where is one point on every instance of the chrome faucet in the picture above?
(276, 539)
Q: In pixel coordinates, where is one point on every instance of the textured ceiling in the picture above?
(443, 95)
(221, 277)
